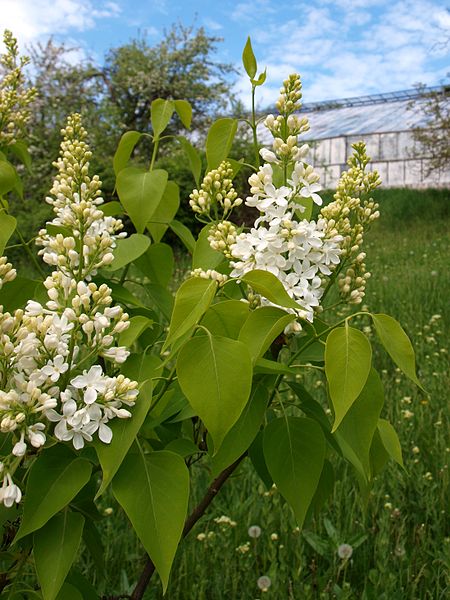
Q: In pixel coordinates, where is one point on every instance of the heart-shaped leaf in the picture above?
(140, 193)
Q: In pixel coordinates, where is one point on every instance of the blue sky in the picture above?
(340, 47)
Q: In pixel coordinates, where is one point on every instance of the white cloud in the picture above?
(211, 24)
(353, 47)
(31, 20)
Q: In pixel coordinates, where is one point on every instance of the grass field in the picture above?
(401, 542)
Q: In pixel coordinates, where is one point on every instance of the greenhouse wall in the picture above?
(393, 154)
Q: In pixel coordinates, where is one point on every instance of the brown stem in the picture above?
(195, 515)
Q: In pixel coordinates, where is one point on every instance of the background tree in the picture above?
(114, 98)
(433, 138)
(179, 67)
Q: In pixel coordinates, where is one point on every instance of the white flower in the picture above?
(92, 381)
(268, 156)
(20, 447)
(9, 492)
(118, 354)
(310, 191)
(254, 531)
(345, 551)
(264, 583)
(36, 435)
(54, 368)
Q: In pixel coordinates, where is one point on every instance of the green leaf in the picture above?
(244, 431)
(154, 490)
(128, 250)
(141, 367)
(271, 367)
(195, 162)
(183, 447)
(16, 293)
(165, 212)
(249, 60)
(184, 234)
(54, 480)
(318, 544)
(121, 294)
(219, 140)
(378, 454)
(124, 431)
(262, 327)
(256, 455)
(205, 257)
(124, 150)
(157, 264)
(69, 592)
(161, 113)
(109, 209)
(191, 301)
(21, 151)
(55, 548)
(314, 410)
(8, 177)
(348, 360)
(261, 79)
(325, 487)
(93, 543)
(314, 353)
(226, 318)
(184, 111)
(294, 449)
(79, 581)
(140, 193)
(215, 374)
(137, 326)
(308, 204)
(161, 298)
(266, 284)
(7, 228)
(55, 229)
(390, 441)
(397, 345)
(356, 431)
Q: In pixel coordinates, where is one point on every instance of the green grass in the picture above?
(404, 537)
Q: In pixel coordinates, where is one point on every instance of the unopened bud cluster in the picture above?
(350, 216)
(290, 95)
(222, 236)
(15, 97)
(216, 191)
(75, 200)
(48, 370)
(7, 273)
(286, 127)
(221, 278)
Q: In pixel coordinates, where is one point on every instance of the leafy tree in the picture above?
(433, 138)
(114, 98)
(180, 66)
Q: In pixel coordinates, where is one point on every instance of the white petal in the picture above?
(105, 433)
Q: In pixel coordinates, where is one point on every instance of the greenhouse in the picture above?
(386, 123)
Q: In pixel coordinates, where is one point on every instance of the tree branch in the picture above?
(195, 515)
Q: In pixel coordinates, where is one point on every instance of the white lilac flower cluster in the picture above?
(48, 353)
(300, 253)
